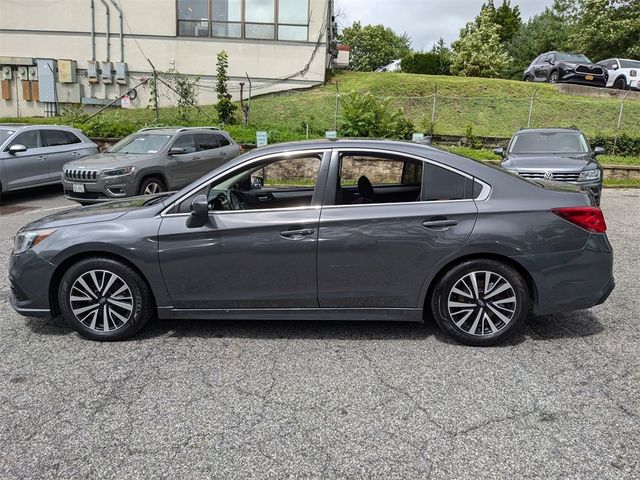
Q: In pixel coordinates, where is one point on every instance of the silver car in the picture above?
(33, 155)
(153, 160)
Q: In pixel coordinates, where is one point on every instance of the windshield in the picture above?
(141, 143)
(548, 143)
(573, 58)
(4, 135)
(629, 64)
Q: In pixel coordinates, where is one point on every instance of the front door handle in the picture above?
(297, 233)
(75, 154)
(439, 224)
(41, 158)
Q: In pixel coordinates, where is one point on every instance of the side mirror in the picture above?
(199, 212)
(17, 148)
(599, 151)
(499, 151)
(177, 151)
(257, 183)
(614, 66)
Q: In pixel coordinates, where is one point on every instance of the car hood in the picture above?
(103, 212)
(109, 160)
(568, 162)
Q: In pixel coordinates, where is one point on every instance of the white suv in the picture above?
(623, 74)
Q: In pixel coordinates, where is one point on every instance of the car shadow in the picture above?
(542, 328)
(31, 194)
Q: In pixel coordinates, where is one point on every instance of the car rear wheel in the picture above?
(480, 302)
(103, 299)
(620, 84)
(151, 186)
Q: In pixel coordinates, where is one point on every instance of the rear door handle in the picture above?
(297, 233)
(75, 154)
(439, 224)
(41, 158)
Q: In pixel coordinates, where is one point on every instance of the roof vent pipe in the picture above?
(93, 30)
(117, 7)
(108, 32)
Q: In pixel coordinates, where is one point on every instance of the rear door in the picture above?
(25, 169)
(62, 146)
(378, 252)
(210, 152)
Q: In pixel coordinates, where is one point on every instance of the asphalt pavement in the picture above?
(195, 399)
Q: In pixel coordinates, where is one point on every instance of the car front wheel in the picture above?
(151, 186)
(104, 299)
(480, 302)
(554, 77)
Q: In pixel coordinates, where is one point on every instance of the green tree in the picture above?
(541, 33)
(225, 107)
(607, 28)
(478, 52)
(444, 57)
(509, 20)
(374, 46)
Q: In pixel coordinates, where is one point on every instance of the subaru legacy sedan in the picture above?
(343, 230)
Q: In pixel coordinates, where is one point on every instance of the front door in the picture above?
(250, 253)
(185, 167)
(392, 221)
(25, 169)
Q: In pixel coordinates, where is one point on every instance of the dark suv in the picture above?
(554, 154)
(554, 67)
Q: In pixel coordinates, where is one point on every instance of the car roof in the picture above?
(175, 130)
(25, 126)
(549, 130)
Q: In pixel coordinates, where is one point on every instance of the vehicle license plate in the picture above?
(78, 188)
(589, 77)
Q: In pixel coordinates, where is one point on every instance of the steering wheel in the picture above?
(235, 199)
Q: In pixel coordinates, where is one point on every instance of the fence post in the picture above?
(615, 140)
(248, 117)
(533, 99)
(433, 108)
(337, 106)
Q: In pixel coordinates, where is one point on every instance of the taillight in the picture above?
(589, 218)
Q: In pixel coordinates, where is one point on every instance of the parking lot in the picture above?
(189, 399)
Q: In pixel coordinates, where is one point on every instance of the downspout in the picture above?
(117, 7)
(108, 32)
(93, 30)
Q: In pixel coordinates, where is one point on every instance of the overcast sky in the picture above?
(425, 20)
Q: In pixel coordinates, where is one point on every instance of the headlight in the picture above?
(117, 172)
(23, 241)
(589, 175)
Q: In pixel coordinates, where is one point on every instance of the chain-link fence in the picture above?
(174, 99)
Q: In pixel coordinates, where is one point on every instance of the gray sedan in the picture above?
(353, 230)
(33, 155)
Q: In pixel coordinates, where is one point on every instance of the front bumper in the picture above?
(581, 78)
(594, 187)
(29, 280)
(575, 280)
(102, 190)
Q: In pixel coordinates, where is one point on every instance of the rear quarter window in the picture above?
(442, 184)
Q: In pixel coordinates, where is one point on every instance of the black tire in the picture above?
(444, 313)
(528, 79)
(152, 183)
(142, 305)
(554, 76)
(620, 84)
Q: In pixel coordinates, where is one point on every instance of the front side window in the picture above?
(276, 183)
(140, 143)
(187, 143)
(56, 138)
(30, 139)
(286, 20)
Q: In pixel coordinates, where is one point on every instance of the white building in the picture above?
(279, 44)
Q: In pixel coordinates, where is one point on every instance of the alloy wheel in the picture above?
(482, 303)
(101, 300)
(152, 188)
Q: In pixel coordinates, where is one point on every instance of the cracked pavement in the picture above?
(193, 399)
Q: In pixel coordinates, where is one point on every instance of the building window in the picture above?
(286, 20)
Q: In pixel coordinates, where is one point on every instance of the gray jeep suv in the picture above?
(33, 155)
(152, 160)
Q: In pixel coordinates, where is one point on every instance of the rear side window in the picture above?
(206, 141)
(222, 140)
(29, 139)
(56, 138)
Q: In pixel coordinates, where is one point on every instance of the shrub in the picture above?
(626, 146)
(424, 63)
(225, 107)
(404, 129)
(364, 115)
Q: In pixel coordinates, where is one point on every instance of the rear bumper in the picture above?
(29, 280)
(570, 281)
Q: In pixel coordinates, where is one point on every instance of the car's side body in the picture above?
(47, 149)
(552, 67)
(202, 150)
(624, 74)
(358, 261)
